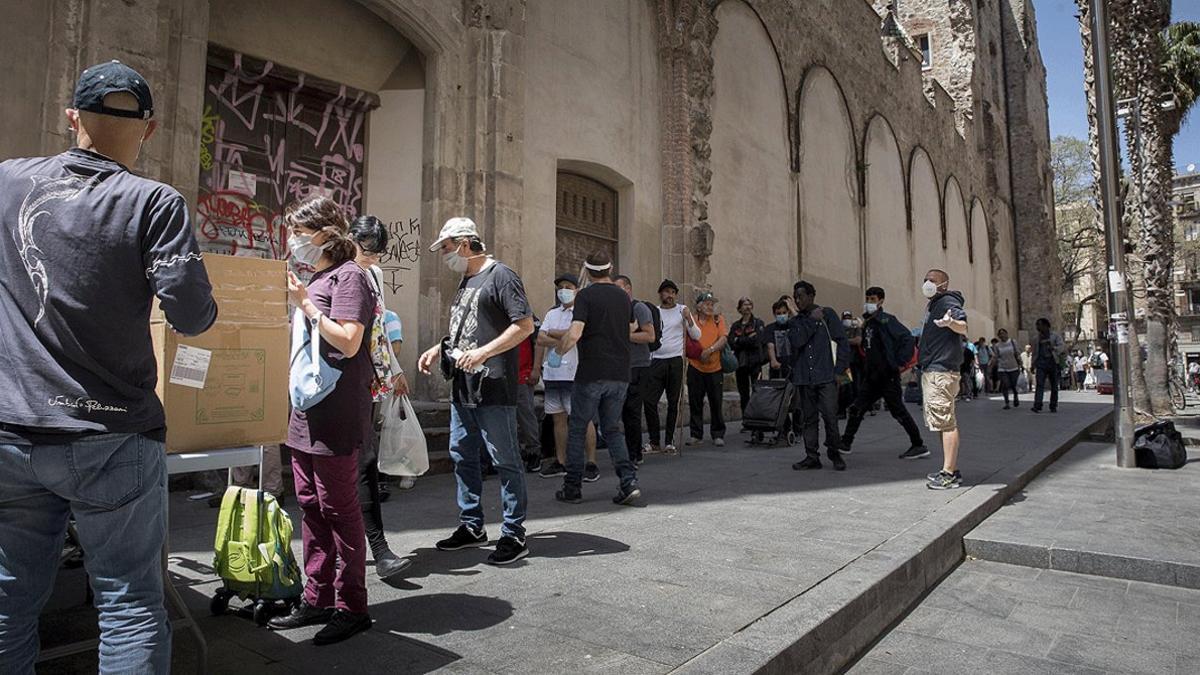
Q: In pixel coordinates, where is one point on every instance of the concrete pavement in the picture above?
(735, 563)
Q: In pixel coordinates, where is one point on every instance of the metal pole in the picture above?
(1119, 304)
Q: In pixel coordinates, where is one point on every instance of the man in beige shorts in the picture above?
(941, 354)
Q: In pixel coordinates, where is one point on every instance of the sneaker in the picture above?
(839, 464)
(670, 449)
(945, 481)
(569, 496)
(463, 537)
(807, 463)
(553, 470)
(915, 452)
(533, 464)
(693, 441)
(508, 550)
(591, 473)
(1035, 409)
(1016, 404)
(719, 442)
(342, 626)
(1007, 406)
(626, 496)
(845, 449)
(388, 564)
(301, 615)
(407, 482)
(651, 449)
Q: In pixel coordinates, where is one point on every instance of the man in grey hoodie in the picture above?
(940, 356)
(1048, 352)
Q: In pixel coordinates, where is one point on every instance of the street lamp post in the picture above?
(1119, 305)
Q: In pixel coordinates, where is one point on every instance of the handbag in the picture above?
(691, 348)
(310, 377)
(402, 447)
(729, 362)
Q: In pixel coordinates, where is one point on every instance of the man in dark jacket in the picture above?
(887, 346)
(86, 246)
(815, 333)
(940, 357)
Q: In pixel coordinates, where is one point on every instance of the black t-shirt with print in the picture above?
(875, 349)
(606, 312)
(486, 305)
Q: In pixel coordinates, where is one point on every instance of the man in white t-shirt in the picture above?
(665, 373)
(559, 379)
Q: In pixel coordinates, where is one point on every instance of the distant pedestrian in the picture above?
(85, 247)
(940, 357)
(966, 371)
(1099, 360)
(642, 334)
(820, 360)
(983, 358)
(666, 372)
(600, 326)
(1081, 366)
(779, 348)
(888, 346)
(1048, 353)
(558, 372)
(1027, 365)
(1008, 367)
(993, 374)
(704, 377)
(746, 337)
(489, 318)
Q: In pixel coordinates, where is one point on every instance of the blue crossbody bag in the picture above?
(310, 378)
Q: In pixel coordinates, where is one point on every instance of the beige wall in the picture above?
(753, 192)
(889, 246)
(23, 34)
(829, 214)
(1004, 279)
(337, 40)
(592, 98)
(958, 262)
(985, 305)
(926, 217)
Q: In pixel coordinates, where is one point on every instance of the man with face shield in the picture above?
(489, 318)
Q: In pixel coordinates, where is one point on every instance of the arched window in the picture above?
(585, 221)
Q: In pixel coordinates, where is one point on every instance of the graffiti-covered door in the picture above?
(270, 136)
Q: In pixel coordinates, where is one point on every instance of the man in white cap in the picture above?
(490, 317)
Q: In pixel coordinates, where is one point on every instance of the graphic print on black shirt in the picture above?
(486, 305)
(874, 346)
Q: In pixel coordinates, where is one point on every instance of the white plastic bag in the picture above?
(1022, 383)
(402, 450)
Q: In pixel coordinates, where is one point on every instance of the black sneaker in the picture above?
(806, 464)
(945, 481)
(533, 464)
(915, 452)
(388, 564)
(1007, 406)
(553, 470)
(508, 550)
(569, 496)
(301, 615)
(839, 464)
(342, 626)
(1035, 409)
(626, 496)
(591, 473)
(845, 449)
(463, 537)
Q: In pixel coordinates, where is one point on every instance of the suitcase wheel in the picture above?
(219, 603)
(791, 438)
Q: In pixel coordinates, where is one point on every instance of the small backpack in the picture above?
(656, 318)
(253, 546)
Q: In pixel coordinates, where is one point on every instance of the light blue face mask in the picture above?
(781, 319)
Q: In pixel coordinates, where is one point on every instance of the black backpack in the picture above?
(656, 318)
(1159, 446)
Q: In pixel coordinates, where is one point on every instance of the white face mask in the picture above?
(929, 289)
(456, 262)
(870, 308)
(566, 296)
(848, 323)
(304, 251)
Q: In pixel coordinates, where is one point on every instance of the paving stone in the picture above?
(1104, 655)
(871, 666)
(1000, 662)
(929, 654)
(990, 632)
(1063, 619)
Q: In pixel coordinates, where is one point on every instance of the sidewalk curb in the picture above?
(826, 626)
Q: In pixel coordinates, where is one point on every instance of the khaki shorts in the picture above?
(938, 391)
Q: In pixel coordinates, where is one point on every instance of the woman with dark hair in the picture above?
(338, 307)
(371, 239)
(746, 335)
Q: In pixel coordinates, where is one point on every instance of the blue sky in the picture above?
(1058, 32)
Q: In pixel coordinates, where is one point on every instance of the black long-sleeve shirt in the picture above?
(813, 342)
(85, 246)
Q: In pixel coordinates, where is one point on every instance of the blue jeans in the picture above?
(493, 427)
(116, 487)
(605, 399)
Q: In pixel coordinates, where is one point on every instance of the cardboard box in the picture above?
(244, 399)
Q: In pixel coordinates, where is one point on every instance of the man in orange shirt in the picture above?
(704, 376)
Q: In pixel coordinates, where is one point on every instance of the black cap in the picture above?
(567, 277)
(667, 283)
(107, 78)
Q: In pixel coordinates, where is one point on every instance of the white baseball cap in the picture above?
(455, 228)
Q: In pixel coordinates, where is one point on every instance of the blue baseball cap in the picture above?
(109, 78)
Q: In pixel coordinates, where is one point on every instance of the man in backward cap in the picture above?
(489, 318)
(85, 247)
